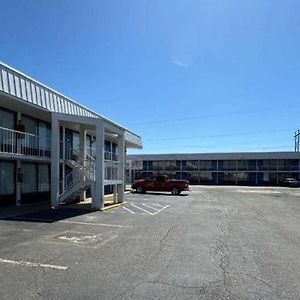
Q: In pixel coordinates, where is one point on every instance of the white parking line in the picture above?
(150, 206)
(161, 210)
(129, 210)
(259, 191)
(146, 211)
(94, 224)
(156, 204)
(32, 264)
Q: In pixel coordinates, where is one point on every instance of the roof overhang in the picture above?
(23, 88)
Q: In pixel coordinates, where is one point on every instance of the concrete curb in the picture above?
(112, 206)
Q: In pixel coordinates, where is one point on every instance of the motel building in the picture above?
(248, 168)
(54, 149)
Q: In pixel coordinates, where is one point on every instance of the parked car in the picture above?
(161, 184)
(291, 182)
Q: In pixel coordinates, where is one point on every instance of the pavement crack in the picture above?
(165, 236)
(222, 253)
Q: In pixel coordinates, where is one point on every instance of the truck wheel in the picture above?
(175, 191)
(140, 189)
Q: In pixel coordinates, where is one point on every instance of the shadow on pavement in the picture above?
(160, 194)
(50, 215)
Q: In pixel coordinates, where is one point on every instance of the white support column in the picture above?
(82, 139)
(121, 159)
(82, 143)
(18, 184)
(98, 195)
(115, 193)
(55, 150)
(64, 156)
(18, 141)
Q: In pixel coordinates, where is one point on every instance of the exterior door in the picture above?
(68, 143)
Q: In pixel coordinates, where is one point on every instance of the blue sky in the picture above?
(188, 76)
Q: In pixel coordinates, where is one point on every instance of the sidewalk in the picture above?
(10, 211)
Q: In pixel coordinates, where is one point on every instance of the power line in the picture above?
(189, 118)
(228, 146)
(217, 135)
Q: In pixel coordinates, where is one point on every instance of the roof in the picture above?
(27, 89)
(217, 156)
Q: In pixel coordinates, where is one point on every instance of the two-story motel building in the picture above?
(249, 168)
(52, 148)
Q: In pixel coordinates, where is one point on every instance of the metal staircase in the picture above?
(80, 178)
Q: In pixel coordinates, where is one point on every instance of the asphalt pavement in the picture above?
(209, 243)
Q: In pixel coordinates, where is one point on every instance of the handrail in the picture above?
(84, 168)
(22, 132)
(23, 143)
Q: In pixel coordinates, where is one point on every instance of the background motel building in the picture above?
(252, 168)
(52, 148)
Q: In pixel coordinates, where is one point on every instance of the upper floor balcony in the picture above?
(17, 143)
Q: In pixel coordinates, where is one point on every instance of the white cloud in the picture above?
(180, 63)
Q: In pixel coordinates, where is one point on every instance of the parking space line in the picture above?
(146, 211)
(150, 206)
(156, 204)
(94, 224)
(161, 210)
(32, 264)
(129, 210)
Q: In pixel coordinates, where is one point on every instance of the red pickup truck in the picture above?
(161, 183)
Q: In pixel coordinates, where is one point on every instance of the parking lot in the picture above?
(209, 243)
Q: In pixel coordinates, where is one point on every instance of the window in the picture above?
(192, 165)
(29, 183)
(7, 119)
(43, 178)
(158, 165)
(243, 165)
(202, 165)
(76, 141)
(107, 146)
(30, 124)
(229, 177)
(229, 165)
(7, 178)
(145, 165)
(205, 177)
(193, 177)
(170, 165)
(242, 177)
(44, 132)
(273, 164)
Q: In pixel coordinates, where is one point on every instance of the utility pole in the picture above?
(297, 140)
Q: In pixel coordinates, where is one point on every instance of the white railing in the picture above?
(110, 156)
(84, 167)
(69, 181)
(91, 151)
(107, 154)
(17, 142)
(111, 170)
(83, 164)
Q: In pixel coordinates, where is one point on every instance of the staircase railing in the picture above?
(83, 168)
